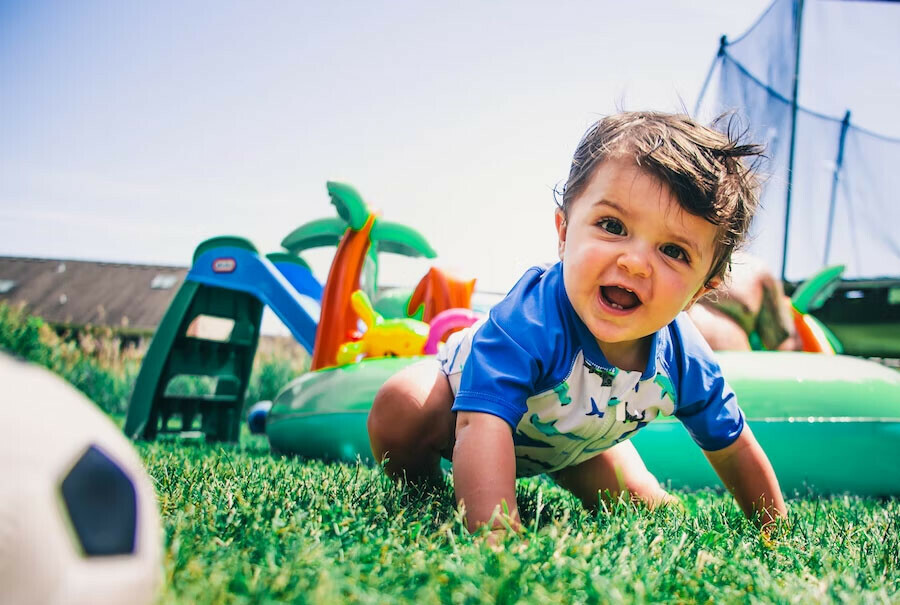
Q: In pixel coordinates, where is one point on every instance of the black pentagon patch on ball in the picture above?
(102, 505)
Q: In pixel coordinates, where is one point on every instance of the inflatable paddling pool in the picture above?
(828, 423)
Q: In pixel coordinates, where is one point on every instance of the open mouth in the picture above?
(619, 298)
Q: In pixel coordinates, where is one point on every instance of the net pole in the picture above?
(720, 56)
(845, 125)
(798, 27)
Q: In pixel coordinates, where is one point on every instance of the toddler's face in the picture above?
(632, 257)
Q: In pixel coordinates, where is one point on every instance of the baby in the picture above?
(580, 356)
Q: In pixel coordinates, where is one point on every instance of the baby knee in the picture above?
(390, 422)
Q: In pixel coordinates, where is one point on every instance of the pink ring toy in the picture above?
(445, 321)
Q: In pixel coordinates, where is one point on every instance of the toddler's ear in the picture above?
(561, 231)
(713, 283)
(710, 285)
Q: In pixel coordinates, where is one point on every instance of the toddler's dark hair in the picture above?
(703, 167)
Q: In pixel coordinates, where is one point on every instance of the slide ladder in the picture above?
(195, 374)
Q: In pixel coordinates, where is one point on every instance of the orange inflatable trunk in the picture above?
(439, 291)
(812, 339)
(338, 319)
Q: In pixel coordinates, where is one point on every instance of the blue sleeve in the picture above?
(503, 366)
(707, 406)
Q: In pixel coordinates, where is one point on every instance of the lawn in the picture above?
(242, 526)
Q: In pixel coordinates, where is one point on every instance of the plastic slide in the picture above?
(243, 270)
(298, 273)
(230, 283)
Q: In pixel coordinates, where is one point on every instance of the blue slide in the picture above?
(288, 288)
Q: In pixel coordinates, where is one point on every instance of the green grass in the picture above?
(242, 526)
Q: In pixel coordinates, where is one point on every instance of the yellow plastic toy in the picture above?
(383, 337)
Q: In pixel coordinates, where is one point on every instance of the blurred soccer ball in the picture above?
(78, 516)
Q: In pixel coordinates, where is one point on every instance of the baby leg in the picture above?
(411, 424)
(618, 470)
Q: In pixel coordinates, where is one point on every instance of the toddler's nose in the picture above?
(636, 262)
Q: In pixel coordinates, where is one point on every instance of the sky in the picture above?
(130, 132)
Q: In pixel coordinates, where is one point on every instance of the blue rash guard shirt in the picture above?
(534, 364)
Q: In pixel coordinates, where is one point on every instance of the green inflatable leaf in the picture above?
(350, 205)
(315, 234)
(812, 293)
(400, 239)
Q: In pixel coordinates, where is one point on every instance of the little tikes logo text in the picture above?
(224, 265)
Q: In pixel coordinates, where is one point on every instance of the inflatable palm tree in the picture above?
(358, 232)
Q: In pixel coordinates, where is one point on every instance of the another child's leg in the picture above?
(616, 471)
(721, 331)
(411, 424)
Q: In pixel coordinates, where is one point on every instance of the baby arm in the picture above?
(747, 473)
(484, 469)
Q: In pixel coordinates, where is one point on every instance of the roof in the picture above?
(74, 292)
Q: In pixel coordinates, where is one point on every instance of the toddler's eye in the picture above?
(611, 225)
(676, 252)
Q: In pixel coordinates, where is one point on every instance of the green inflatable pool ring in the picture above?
(830, 424)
